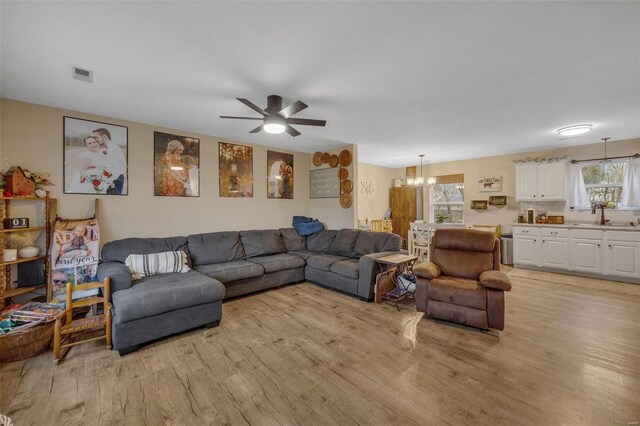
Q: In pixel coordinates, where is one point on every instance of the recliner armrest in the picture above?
(427, 270)
(495, 280)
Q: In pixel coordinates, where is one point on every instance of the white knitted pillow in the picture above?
(144, 265)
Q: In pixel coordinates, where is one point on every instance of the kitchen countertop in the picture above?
(582, 226)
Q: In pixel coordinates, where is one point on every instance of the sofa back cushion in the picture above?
(292, 241)
(463, 252)
(373, 242)
(118, 250)
(321, 241)
(261, 242)
(344, 242)
(215, 247)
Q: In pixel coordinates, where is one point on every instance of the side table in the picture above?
(389, 267)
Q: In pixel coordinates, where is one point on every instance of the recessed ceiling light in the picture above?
(575, 130)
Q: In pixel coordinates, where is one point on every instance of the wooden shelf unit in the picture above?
(6, 291)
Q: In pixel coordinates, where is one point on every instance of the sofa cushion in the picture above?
(374, 242)
(117, 251)
(389, 242)
(458, 291)
(292, 241)
(215, 247)
(261, 242)
(324, 261)
(163, 293)
(321, 241)
(231, 271)
(343, 243)
(305, 254)
(278, 262)
(347, 268)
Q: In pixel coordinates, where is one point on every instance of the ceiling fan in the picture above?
(277, 119)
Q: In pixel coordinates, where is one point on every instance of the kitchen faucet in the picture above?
(601, 207)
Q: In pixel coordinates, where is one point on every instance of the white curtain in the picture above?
(631, 189)
(578, 197)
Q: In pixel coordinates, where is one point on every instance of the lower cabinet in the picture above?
(612, 253)
(586, 255)
(555, 252)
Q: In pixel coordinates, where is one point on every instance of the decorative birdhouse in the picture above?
(18, 183)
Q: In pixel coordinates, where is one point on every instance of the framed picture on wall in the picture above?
(235, 170)
(176, 165)
(280, 179)
(95, 157)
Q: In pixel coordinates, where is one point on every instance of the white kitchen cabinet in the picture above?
(622, 253)
(526, 246)
(555, 252)
(586, 255)
(552, 181)
(589, 250)
(541, 181)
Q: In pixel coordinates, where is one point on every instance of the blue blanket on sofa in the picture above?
(306, 226)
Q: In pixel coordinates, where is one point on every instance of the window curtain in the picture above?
(631, 188)
(578, 197)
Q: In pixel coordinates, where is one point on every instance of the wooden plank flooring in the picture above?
(570, 354)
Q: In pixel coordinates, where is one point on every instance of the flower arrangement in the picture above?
(18, 240)
(42, 180)
(100, 182)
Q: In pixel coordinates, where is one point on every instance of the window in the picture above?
(447, 199)
(604, 184)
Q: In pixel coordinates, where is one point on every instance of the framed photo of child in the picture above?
(95, 157)
(176, 165)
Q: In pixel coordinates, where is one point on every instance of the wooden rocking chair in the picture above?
(66, 328)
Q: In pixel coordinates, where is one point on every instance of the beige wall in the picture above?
(328, 210)
(503, 166)
(31, 136)
(374, 205)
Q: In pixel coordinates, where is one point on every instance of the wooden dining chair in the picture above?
(67, 331)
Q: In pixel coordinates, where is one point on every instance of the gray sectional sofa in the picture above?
(230, 264)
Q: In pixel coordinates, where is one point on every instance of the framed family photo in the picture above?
(280, 180)
(176, 165)
(235, 164)
(95, 157)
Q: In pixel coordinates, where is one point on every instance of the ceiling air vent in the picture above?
(83, 75)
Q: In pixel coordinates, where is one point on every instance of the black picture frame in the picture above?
(94, 170)
(182, 182)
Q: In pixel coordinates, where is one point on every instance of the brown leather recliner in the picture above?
(462, 283)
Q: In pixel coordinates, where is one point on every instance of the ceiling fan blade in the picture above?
(242, 118)
(257, 129)
(292, 109)
(293, 132)
(306, 121)
(252, 106)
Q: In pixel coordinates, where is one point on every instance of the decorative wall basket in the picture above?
(346, 200)
(345, 158)
(343, 173)
(317, 159)
(346, 186)
(325, 158)
(333, 161)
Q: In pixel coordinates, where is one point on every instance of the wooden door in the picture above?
(404, 208)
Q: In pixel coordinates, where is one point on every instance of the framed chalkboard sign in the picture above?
(324, 183)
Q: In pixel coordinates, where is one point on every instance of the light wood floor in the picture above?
(306, 355)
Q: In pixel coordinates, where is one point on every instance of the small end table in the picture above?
(387, 264)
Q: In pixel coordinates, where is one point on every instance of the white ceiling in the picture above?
(452, 80)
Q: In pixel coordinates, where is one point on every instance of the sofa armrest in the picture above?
(427, 270)
(495, 280)
(119, 274)
(368, 271)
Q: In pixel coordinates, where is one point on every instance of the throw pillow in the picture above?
(144, 265)
(344, 242)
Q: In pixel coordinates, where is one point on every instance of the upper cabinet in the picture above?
(541, 181)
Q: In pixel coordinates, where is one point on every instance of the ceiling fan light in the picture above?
(274, 124)
(575, 130)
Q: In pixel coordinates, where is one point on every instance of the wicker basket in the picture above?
(27, 343)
